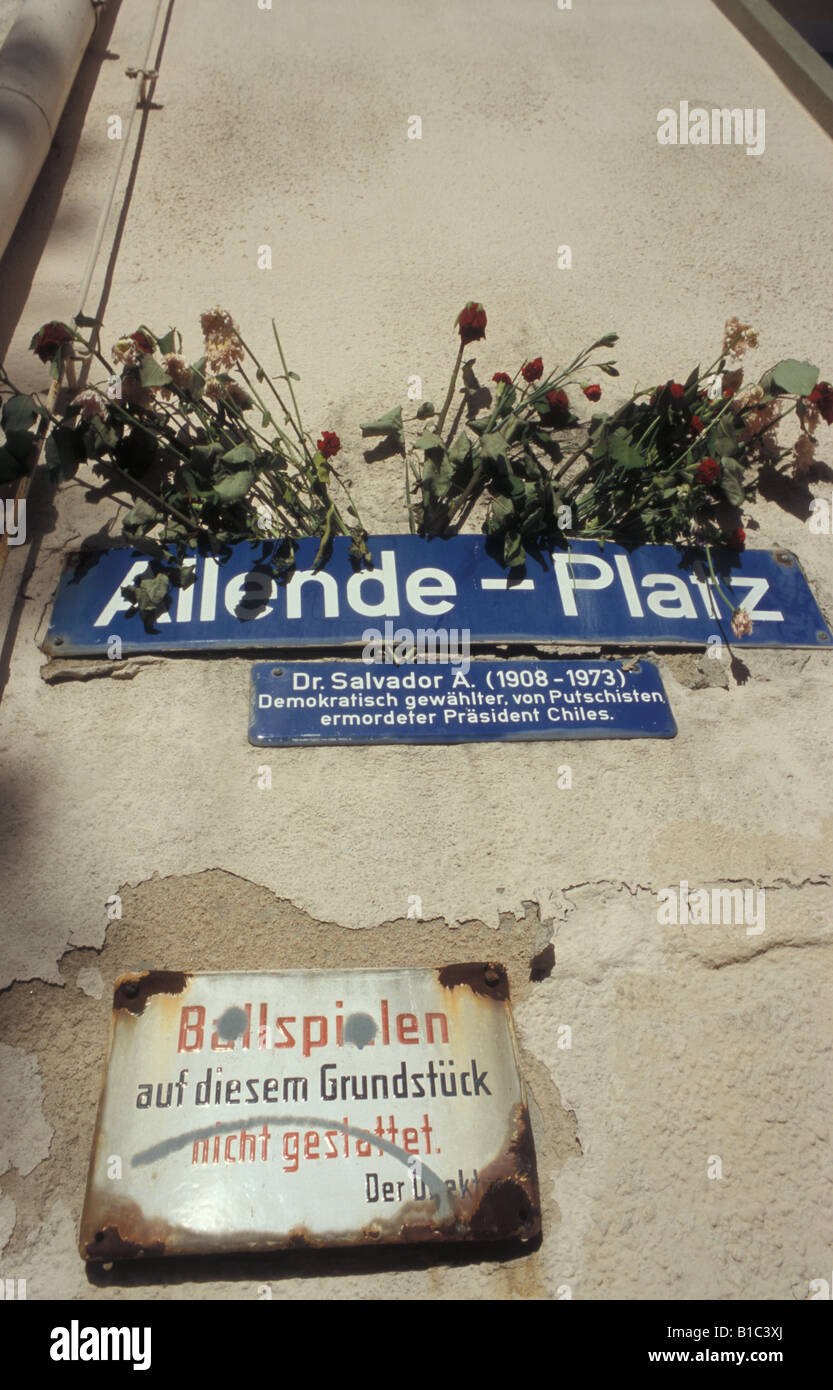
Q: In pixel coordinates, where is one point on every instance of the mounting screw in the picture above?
(822, 636)
(784, 557)
(491, 976)
(130, 988)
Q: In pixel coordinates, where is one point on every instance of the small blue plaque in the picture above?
(297, 703)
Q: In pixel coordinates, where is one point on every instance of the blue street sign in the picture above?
(465, 702)
(585, 594)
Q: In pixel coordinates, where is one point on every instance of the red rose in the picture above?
(708, 471)
(559, 408)
(329, 444)
(822, 396)
(593, 393)
(677, 391)
(49, 340)
(737, 540)
(471, 322)
(142, 341)
(504, 377)
(532, 371)
(697, 425)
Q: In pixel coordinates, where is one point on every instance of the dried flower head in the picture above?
(223, 347)
(128, 353)
(178, 370)
(90, 403)
(761, 419)
(533, 371)
(803, 454)
(134, 393)
(593, 393)
(502, 378)
(741, 623)
(742, 399)
(738, 338)
(214, 388)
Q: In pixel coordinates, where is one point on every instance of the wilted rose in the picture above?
(822, 397)
(50, 339)
(329, 444)
(707, 472)
(558, 408)
(471, 321)
(533, 371)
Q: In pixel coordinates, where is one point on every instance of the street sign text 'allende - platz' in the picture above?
(588, 593)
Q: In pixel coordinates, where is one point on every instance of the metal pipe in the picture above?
(38, 64)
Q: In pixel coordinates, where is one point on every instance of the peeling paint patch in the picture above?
(25, 1133)
(89, 979)
(56, 672)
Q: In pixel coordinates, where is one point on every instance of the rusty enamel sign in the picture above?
(245, 1112)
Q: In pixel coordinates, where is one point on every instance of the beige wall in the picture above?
(539, 129)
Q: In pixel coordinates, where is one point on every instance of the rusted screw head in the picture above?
(491, 976)
(130, 988)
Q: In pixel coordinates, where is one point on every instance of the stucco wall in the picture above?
(288, 128)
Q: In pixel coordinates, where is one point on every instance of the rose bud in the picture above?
(593, 393)
(471, 321)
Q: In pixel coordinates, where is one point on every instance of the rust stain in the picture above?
(509, 1206)
(123, 1234)
(487, 979)
(133, 991)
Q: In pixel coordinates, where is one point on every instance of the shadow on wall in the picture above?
(22, 256)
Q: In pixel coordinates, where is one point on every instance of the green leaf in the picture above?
(389, 423)
(513, 550)
(494, 446)
(731, 484)
(141, 517)
(10, 466)
(425, 410)
(234, 487)
(168, 343)
(64, 451)
(461, 448)
(19, 413)
(150, 372)
(240, 454)
(149, 594)
(429, 441)
(796, 378)
(623, 452)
